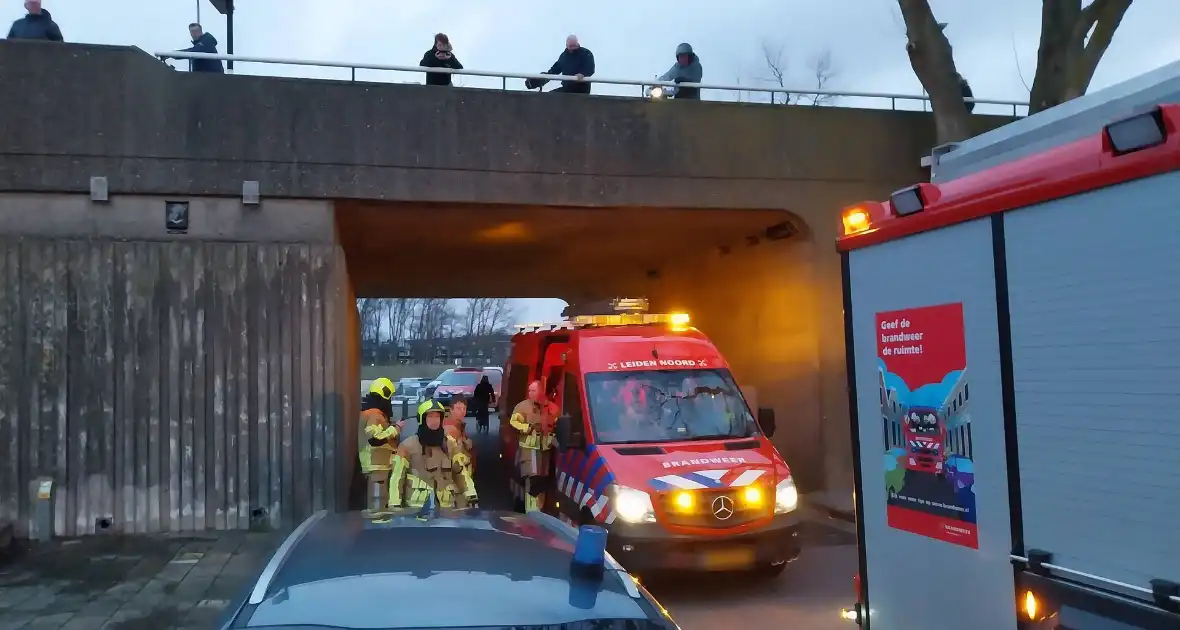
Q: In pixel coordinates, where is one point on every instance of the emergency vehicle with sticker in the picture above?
(656, 442)
(1057, 248)
(925, 437)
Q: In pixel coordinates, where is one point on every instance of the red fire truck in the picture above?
(656, 443)
(1041, 270)
(925, 440)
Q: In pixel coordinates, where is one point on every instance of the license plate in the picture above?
(728, 559)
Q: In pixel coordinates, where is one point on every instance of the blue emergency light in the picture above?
(589, 559)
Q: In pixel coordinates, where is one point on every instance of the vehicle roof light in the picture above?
(589, 559)
(630, 319)
(630, 305)
(1136, 133)
(856, 220)
(907, 201)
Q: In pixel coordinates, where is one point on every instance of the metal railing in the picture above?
(775, 94)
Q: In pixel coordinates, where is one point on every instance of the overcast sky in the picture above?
(995, 40)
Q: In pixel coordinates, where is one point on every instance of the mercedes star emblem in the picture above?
(722, 508)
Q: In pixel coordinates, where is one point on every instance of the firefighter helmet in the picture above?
(383, 387)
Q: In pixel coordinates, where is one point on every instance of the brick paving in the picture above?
(130, 582)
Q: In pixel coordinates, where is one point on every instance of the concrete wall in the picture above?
(173, 382)
(156, 131)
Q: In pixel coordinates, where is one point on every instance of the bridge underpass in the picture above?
(205, 377)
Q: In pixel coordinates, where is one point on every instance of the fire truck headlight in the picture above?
(633, 506)
(786, 497)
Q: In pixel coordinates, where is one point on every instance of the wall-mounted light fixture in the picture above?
(251, 195)
(99, 190)
(176, 216)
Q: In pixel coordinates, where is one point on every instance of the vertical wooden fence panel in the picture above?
(169, 386)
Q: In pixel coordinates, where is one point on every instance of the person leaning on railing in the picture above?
(575, 61)
(440, 56)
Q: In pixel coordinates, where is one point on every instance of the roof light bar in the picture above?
(1136, 133)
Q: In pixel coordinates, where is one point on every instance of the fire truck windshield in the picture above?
(667, 406)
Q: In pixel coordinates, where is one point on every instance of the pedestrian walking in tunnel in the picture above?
(483, 397)
(687, 69)
(575, 61)
(36, 24)
(203, 43)
(440, 56)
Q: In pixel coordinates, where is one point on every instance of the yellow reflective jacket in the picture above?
(376, 427)
(527, 418)
(419, 471)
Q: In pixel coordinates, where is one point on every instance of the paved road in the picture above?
(808, 595)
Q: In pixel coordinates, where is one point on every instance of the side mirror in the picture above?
(569, 433)
(766, 421)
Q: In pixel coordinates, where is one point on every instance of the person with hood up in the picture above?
(575, 61)
(687, 69)
(203, 43)
(483, 397)
(37, 24)
(379, 440)
(440, 56)
(431, 464)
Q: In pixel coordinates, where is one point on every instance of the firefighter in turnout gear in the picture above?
(534, 419)
(378, 442)
(432, 463)
(455, 424)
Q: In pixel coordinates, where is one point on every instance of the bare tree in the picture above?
(820, 66)
(486, 316)
(1073, 40)
(776, 68)
(399, 313)
(822, 71)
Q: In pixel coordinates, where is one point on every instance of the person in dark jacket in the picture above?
(203, 43)
(38, 24)
(965, 89)
(574, 61)
(440, 56)
(482, 398)
(687, 69)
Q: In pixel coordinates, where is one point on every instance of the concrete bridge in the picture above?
(203, 373)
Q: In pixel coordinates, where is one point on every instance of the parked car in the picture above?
(510, 571)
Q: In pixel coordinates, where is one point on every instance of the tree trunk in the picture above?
(933, 62)
(1066, 59)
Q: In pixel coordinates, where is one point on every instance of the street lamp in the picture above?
(226, 8)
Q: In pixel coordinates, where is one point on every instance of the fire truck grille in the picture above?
(710, 508)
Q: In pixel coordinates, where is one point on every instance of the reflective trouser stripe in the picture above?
(420, 493)
(532, 503)
(395, 481)
(470, 493)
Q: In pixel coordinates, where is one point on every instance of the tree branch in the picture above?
(1104, 16)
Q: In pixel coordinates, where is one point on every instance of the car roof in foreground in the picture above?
(467, 569)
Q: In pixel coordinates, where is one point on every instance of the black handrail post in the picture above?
(229, 33)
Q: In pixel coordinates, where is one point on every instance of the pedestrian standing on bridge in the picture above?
(687, 69)
(36, 24)
(203, 43)
(575, 61)
(440, 56)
